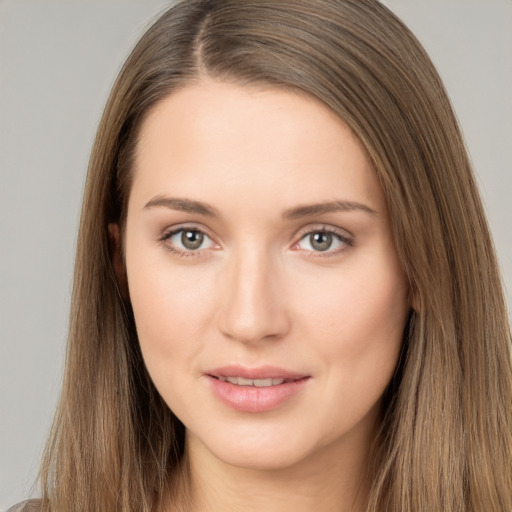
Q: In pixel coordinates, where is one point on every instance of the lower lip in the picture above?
(255, 399)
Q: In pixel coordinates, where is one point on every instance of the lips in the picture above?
(260, 373)
(259, 383)
(255, 389)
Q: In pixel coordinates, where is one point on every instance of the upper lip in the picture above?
(261, 372)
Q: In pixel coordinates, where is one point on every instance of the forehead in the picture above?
(214, 136)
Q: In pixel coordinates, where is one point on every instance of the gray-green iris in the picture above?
(320, 241)
(192, 239)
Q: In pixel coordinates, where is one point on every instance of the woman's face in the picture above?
(268, 297)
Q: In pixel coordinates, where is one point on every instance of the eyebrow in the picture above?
(184, 205)
(309, 210)
(321, 208)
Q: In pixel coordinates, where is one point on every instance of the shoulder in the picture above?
(26, 506)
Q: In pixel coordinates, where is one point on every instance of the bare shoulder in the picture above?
(26, 506)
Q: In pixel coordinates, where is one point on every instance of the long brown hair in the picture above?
(446, 436)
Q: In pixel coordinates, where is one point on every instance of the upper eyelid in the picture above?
(325, 228)
(172, 230)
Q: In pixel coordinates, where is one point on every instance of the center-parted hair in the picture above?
(445, 441)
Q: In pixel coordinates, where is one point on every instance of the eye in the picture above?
(323, 241)
(185, 240)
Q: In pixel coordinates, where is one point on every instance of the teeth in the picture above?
(262, 383)
(259, 383)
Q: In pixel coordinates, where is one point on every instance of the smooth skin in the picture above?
(228, 263)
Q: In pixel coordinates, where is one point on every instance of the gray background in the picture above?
(57, 63)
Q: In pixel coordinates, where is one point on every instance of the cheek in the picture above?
(370, 299)
(168, 312)
(361, 324)
(358, 316)
(170, 305)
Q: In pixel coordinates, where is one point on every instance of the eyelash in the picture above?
(345, 240)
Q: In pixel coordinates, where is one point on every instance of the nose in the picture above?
(253, 303)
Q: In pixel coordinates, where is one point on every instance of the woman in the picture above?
(285, 295)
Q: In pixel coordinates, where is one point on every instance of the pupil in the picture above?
(192, 239)
(321, 241)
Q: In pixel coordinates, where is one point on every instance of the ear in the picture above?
(118, 260)
(414, 300)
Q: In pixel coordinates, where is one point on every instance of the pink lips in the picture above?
(258, 396)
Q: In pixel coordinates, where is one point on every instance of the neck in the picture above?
(330, 480)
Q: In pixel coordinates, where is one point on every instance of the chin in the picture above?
(267, 449)
(263, 458)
